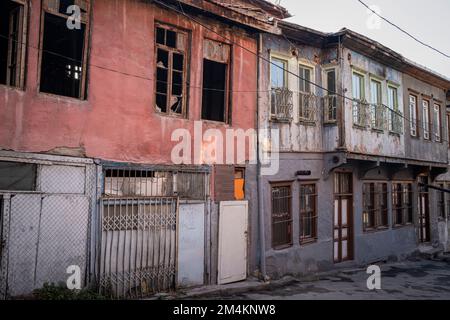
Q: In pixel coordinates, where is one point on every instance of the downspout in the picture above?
(341, 122)
(262, 238)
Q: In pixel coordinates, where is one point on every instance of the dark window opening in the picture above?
(16, 176)
(375, 210)
(281, 216)
(214, 90)
(64, 4)
(62, 58)
(11, 38)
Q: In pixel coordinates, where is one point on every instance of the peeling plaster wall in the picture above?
(118, 121)
(369, 141)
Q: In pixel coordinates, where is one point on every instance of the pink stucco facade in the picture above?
(118, 120)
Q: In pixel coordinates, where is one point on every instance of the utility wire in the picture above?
(405, 32)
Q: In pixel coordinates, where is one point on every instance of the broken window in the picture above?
(64, 49)
(375, 211)
(281, 216)
(216, 69)
(171, 46)
(16, 176)
(308, 213)
(13, 21)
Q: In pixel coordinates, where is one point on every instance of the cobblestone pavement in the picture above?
(423, 279)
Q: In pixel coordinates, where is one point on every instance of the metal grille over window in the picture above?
(308, 213)
(330, 108)
(308, 105)
(281, 216)
(282, 105)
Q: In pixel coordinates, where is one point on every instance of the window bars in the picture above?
(281, 104)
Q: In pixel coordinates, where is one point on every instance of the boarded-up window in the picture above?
(171, 60)
(223, 183)
(13, 38)
(64, 54)
(216, 69)
(17, 176)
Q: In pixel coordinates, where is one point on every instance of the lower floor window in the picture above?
(402, 207)
(375, 214)
(281, 216)
(308, 213)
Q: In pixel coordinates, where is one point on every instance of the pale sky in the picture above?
(427, 20)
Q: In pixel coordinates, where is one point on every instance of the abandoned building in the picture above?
(89, 109)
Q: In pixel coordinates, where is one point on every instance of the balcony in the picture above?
(307, 107)
(330, 108)
(361, 113)
(281, 104)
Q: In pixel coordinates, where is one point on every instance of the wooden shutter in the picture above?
(223, 183)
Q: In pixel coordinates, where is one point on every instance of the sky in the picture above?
(427, 20)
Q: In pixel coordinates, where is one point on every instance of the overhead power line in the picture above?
(404, 31)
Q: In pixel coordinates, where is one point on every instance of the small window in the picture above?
(307, 100)
(170, 70)
(64, 50)
(395, 118)
(281, 216)
(413, 123)
(308, 213)
(426, 119)
(16, 176)
(216, 79)
(437, 122)
(305, 79)
(402, 207)
(12, 42)
(278, 73)
(375, 214)
(239, 184)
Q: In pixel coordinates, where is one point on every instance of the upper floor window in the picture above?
(216, 80)
(307, 100)
(280, 96)
(171, 46)
(448, 129)
(437, 122)
(278, 73)
(359, 105)
(426, 119)
(413, 123)
(64, 49)
(377, 104)
(13, 20)
(330, 100)
(395, 118)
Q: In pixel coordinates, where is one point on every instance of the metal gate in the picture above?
(138, 255)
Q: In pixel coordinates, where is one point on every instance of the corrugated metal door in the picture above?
(233, 223)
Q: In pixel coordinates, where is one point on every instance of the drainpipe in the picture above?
(262, 238)
(341, 121)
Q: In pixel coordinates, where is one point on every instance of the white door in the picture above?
(233, 221)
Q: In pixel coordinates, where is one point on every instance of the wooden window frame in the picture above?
(377, 120)
(437, 132)
(289, 221)
(332, 102)
(285, 61)
(426, 125)
(86, 20)
(377, 211)
(406, 208)
(303, 214)
(21, 54)
(186, 60)
(359, 102)
(414, 122)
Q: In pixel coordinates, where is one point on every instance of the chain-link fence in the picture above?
(46, 209)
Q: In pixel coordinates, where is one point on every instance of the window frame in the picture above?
(378, 198)
(303, 214)
(285, 61)
(407, 209)
(395, 108)
(22, 51)
(289, 221)
(377, 106)
(360, 102)
(414, 121)
(85, 19)
(437, 132)
(426, 123)
(186, 64)
(333, 103)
